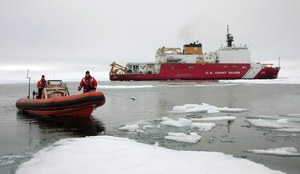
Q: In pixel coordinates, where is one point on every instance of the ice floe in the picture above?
(141, 126)
(293, 115)
(279, 123)
(288, 117)
(204, 108)
(204, 126)
(182, 122)
(130, 127)
(106, 154)
(283, 151)
(138, 126)
(182, 137)
(288, 129)
(219, 118)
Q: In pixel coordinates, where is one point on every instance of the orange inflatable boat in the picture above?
(56, 101)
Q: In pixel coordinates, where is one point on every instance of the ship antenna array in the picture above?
(28, 77)
(229, 38)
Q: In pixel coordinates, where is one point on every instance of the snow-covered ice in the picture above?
(283, 151)
(182, 122)
(130, 127)
(182, 137)
(138, 126)
(204, 126)
(293, 115)
(106, 154)
(135, 128)
(290, 129)
(280, 124)
(204, 108)
(194, 108)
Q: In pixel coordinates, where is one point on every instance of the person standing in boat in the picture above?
(88, 83)
(41, 85)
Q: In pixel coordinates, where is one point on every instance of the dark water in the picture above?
(23, 135)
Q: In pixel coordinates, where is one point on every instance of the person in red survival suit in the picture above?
(41, 85)
(88, 83)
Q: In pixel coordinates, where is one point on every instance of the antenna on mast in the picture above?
(28, 77)
(229, 38)
(227, 29)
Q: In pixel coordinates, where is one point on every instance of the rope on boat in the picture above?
(114, 95)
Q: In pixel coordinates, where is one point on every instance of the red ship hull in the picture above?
(176, 71)
(81, 105)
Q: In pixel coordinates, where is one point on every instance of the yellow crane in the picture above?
(117, 69)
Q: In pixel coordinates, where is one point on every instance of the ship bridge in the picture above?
(230, 53)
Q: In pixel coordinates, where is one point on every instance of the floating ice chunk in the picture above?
(289, 129)
(280, 123)
(171, 123)
(220, 118)
(185, 122)
(212, 111)
(188, 108)
(130, 127)
(283, 120)
(293, 115)
(203, 108)
(182, 122)
(283, 151)
(204, 126)
(147, 126)
(279, 118)
(106, 154)
(192, 108)
(138, 126)
(264, 123)
(182, 137)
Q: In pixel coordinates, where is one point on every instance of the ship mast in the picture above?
(229, 38)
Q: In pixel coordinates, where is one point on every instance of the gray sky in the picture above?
(64, 38)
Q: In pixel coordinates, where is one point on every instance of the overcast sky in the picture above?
(64, 38)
